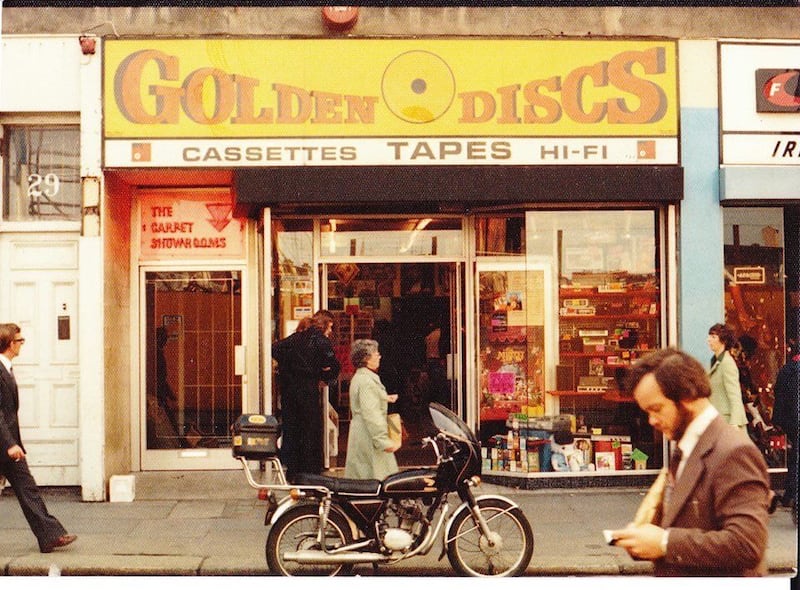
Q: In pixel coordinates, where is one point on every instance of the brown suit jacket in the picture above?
(717, 513)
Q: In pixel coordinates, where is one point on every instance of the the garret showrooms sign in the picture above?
(282, 102)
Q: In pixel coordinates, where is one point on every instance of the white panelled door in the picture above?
(39, 288)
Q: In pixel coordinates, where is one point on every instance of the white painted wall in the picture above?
(49, 77)
(40, 74)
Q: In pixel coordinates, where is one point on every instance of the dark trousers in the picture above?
(790, 492)
(301, 430)
(44, 525)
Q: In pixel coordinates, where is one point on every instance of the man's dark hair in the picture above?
(680, 376)
(7, 334)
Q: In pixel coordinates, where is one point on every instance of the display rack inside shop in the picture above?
(530, 444)
(605, 322)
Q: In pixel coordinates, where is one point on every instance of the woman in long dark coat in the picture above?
(305, 359)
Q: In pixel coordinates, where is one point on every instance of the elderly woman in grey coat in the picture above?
(370, 451)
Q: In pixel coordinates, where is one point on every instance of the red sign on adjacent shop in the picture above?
(777, 91)
(189, 224)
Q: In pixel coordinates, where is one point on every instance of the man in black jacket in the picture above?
(13, 464)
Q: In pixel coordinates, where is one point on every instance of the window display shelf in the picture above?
(605, 353)
(612, 317)
(593, 292)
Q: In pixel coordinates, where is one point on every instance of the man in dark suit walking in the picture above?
(714, 516)
(13, 464)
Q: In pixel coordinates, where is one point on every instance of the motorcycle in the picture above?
(327, 525)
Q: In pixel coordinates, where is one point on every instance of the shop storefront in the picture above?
(760, 193)
(506, 234)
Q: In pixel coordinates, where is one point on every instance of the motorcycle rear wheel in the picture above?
(297, 530)
(470, 552)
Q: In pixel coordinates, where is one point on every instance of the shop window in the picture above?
(755, 299)
(41, 173)
(367, 237)
(500, 236)
(598, 277)
(294, 287)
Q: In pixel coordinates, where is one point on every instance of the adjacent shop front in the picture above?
(506, 234)
(760, 193)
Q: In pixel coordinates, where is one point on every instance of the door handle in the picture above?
(239, 359)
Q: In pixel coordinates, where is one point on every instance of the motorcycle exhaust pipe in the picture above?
(322, 558)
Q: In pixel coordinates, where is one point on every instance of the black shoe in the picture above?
(773, 502)
(62, 541)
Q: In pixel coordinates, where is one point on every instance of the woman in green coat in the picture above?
(370, 451)
(726, 391)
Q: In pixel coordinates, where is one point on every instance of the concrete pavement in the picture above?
(212, 524)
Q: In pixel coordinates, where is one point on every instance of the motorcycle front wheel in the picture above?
(297, 530)
(506, 552)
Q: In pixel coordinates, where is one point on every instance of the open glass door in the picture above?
(193, 361)
(413, 311)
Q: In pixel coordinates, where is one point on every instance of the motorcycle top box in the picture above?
(255, 437)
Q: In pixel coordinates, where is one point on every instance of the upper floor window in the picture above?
(41, 173)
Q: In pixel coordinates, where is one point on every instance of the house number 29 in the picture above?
(46, 185)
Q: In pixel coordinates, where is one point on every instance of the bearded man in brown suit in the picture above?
(714, 517)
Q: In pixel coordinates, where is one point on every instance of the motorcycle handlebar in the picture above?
(433, 441)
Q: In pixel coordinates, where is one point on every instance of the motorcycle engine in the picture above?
(408, 517)
(397, 539)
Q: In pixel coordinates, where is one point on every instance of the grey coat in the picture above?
(368, 437)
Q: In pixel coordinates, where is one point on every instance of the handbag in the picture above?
(394, 427)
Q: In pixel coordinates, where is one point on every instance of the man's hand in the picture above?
(641, 542)
(16, 453)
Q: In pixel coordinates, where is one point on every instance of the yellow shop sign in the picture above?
(364, 88)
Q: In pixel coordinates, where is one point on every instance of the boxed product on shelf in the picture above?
(609, 443)
(551, 423)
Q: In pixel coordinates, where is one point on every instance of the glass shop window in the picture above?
(500, 235)
(607, 312)
(41, 173)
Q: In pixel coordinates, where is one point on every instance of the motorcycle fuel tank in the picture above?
(411, 483)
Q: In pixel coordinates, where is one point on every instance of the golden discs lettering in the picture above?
(211, 96)
(547, 101)
(629, 88)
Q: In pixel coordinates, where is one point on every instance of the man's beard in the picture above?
(684, 419)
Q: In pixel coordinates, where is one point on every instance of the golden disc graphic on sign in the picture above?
(418, 86)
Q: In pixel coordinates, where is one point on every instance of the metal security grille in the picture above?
(41, 173)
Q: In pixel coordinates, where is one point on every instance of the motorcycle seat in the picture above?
(340, 485)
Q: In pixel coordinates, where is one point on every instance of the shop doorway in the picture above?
(193, 366)
(414, 311)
